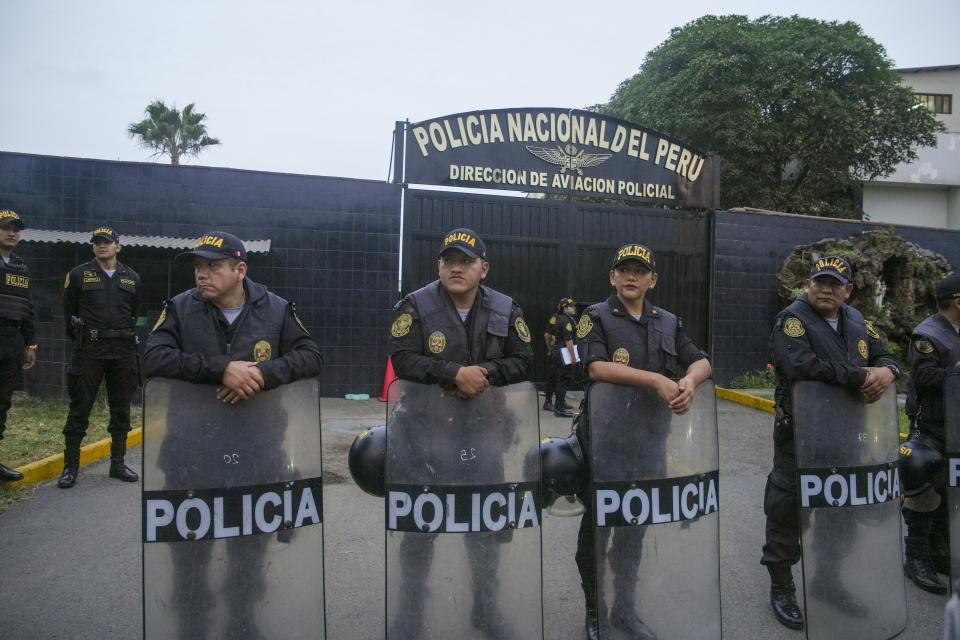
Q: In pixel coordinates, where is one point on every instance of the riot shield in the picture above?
(951, 429)
(463, 513)
(232, 513)
(849, 489)
(654, 489)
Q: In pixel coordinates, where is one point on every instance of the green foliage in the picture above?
(170, 132)
(801, 110)
(893, 279)
(758, 379)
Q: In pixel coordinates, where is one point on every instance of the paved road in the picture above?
(71, 567)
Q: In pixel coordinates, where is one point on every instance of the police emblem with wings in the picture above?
(569, 157)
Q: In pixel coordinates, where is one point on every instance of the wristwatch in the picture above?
(895, 369)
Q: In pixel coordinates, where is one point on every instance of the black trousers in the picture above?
(83, 381)
(559, 375)
(11, 368)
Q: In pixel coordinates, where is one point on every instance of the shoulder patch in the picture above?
(262, 351)
(923, 345)
(862, 348)
(793, 327)
(553, 319)
(66, 283)
(163, 316)
(522, 329)
(401, 326)
(568, 327)
(872, 331)
(585, 326)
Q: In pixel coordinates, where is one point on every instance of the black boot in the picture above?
(548, 402)
(592, 621)
(121, 471)
(940, 554)
(918, 568)
(560, 407)
(783, 598)
(624, 617)
(71, 467)
(828, 587)
(9, 475)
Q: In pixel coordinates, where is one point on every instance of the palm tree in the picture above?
(171, 132)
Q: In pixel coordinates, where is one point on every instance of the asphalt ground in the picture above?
(70, 560)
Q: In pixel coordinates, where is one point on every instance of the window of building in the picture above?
(936, 102)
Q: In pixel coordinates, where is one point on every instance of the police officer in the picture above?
(17, 350)
(229, 330)
(465, 337)
(101, 300)
(934, 350)
(627, 340)
(816, 337)
(560, 335)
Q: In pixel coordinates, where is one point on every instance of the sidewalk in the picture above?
(72, 567)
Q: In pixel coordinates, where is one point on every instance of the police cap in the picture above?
(106, 233)
(217, 245)
(636, 252)
(564, 303)
(949, 287)
(834, 266)
(465, 240)
(8, 217)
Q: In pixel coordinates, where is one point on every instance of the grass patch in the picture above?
(35, 427)
(758, 379)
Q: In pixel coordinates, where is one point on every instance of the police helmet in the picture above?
(921, 473)
(564, 469)
(367, 460)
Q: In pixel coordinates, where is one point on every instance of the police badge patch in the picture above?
(862, 348)
(522, 329)
(262, 351)
(401, 326)
(584, 326)
(923, 345)
(793, 328)
(437, 342)
(621, 355)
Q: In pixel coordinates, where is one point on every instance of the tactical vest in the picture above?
(15, 303)
(659, 354)
(824, 340)
(445, 335)
(257, 330)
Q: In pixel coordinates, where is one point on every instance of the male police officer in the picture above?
(101, 299)
(229, 330)
(559, 334)
(626, 340)
(465, 337)
(17, 350)
(934, 350)
(817, 337)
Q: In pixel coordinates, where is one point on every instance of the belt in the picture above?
(98, 334)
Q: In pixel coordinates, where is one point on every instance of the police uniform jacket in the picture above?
(108, 307)
(934, 350)
(16, 304)
(805, 347)
(192, 340)
(429, 341)
(562, 328)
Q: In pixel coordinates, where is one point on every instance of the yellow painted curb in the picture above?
(52, 466)
(745, 398)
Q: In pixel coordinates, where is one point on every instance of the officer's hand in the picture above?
(668, 389)
(240, 381)
(878, 380)
(471, 381)
(29, 358)
(681, 404)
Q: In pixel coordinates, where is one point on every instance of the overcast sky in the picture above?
(315, 86)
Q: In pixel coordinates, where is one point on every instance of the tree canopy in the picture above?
(800, 110)
(171, 132)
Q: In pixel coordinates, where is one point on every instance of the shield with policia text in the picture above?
(232, 513)
(654, 489)
(951, 429)
(848, 486)
(463, 512)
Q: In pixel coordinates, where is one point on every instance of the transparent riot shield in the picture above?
(463, 513)
(849, 490)
(232, 513)
(654, 489)
(951, 429)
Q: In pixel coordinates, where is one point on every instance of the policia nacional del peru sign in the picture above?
(555, 151)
